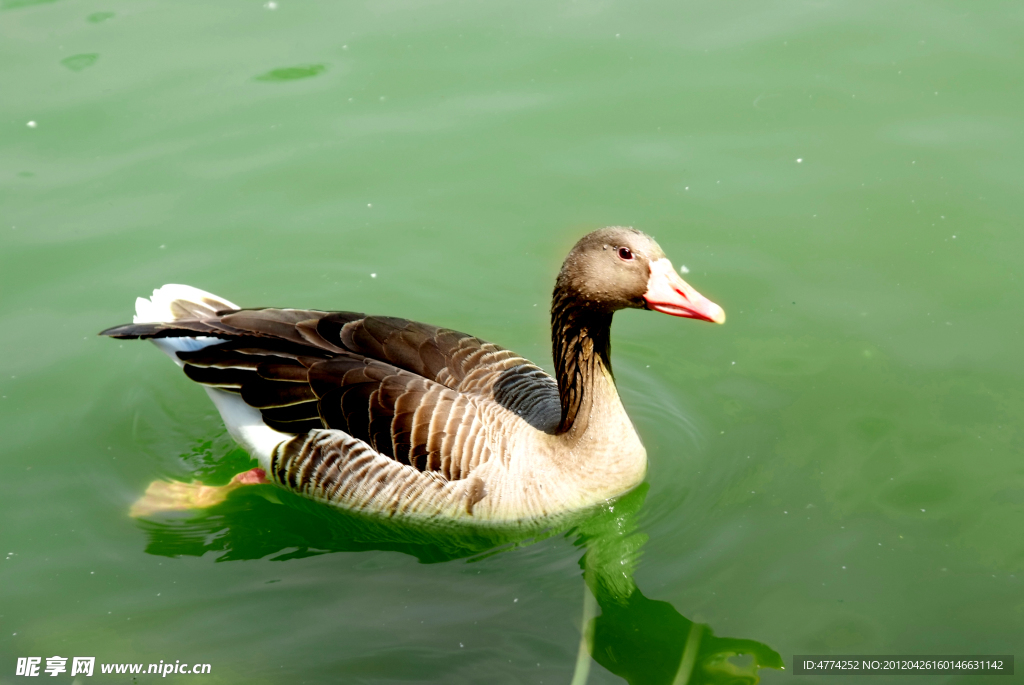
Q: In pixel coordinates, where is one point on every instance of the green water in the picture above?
(836, 470)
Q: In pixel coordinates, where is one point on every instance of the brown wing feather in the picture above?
(405, 388)
(457, 360)
(399, 414)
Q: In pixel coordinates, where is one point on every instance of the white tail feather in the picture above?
(173, 302)
(160, 308)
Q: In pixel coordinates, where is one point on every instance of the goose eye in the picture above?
(624, 253)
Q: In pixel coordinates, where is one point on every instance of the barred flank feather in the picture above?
(333, 467)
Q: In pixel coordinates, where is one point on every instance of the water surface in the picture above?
(836, 470)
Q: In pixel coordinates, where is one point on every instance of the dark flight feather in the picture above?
(402, 387)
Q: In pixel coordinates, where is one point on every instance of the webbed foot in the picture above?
(164, 495)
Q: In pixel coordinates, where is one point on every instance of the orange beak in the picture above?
(670, 294)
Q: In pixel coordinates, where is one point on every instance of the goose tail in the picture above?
(155, 319)
(174, 302)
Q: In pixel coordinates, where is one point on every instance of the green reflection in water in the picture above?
(18, 4)
(80, 62)
(642, 640)
(293, 73)
(645, 640)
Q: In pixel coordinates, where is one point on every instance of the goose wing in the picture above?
(412, 392)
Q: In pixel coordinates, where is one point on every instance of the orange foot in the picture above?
(164, 495)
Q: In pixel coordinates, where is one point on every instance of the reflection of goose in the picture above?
(643, 640)
(391, 416)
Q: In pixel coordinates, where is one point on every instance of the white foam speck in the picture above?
(31, 124)
(373, 275)
(799, 160)
(270, 5)
(683, 269)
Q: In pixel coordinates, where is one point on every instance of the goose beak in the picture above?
(670, 294)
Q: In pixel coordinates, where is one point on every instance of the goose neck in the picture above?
(581, 348)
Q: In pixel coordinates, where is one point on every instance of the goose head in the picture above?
(622, 268)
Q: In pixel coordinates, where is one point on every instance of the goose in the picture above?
(394, 418)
